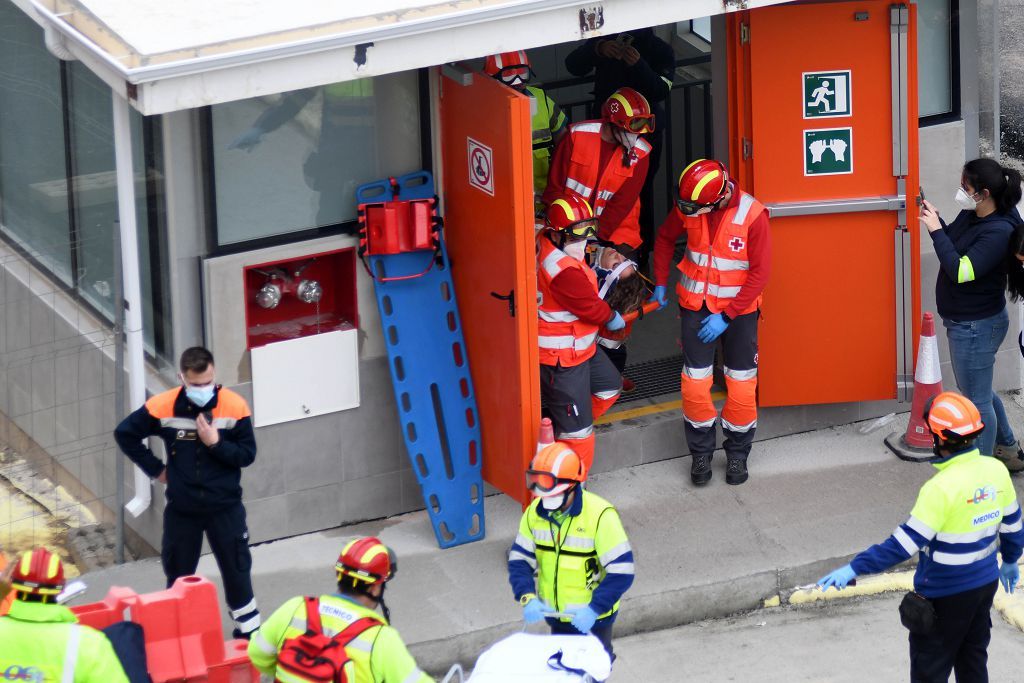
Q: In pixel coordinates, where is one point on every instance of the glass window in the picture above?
(291, 162)
(701, 27)
(33, 169)
(936, 55)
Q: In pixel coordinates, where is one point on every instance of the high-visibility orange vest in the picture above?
(563, 338)
(599, 185)
(713, 274)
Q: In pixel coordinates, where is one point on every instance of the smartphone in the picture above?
(920, 196)
(626, 39)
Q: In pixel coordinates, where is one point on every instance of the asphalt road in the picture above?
(859, 639)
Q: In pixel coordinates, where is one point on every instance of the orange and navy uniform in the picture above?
(199, 478)
(593, 168)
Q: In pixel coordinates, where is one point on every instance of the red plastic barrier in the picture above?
(182, 629)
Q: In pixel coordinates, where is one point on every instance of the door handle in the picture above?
(510, 298)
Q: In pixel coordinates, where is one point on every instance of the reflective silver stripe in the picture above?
(578, 543)
(177, 423)
(740, 375)
(360, 644)
(618, 551)
(668, 82)
(960, 559)
(605, 195)
(1010, 509)
(739, 429)
(71, 654)
(586, 127)
(605, 395)
(699, 425)
(921, 528)
(1011, 528)
(542, 535)
(556, 316)
(691, 285)
(578, 434)
(696, 257)
(249, 625)
(224, 422)
(904, 540)
(723, 292)
(746, 201)
(585, 342)
(264, 646)
(643, 145)
(299, 623)
(579, 188)
(719, 263)
(610, 343)
(516, 555)
(242, 611)
(969, 537)
(525, 542)
(413, 676)
(599, 210)
(620, 568)
(550, 263)
(698, 373)
(567, 341)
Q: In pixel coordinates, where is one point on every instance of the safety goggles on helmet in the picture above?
(515, 74)
(688, 208)
(584, 228)
(542, 483)
(640, 123)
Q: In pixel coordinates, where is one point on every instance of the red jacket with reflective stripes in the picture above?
(563, 338)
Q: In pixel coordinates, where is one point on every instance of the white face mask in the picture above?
(964, 200)
(576, 250)
(553, 502)
(625, 138)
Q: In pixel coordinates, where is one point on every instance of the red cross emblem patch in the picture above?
(736, 244)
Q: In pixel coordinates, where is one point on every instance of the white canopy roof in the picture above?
(180, 54)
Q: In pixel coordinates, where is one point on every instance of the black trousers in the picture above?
(228, 535)
(565, 392)
(959, 641)
(602, 629)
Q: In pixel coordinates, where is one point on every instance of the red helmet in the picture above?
(367, 559)
(701, 184)
(629, 110)
(555, 469)
(38, 572)
(507, 67)
(951, 416)
(572, 214)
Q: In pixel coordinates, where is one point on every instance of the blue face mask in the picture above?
(199, 395)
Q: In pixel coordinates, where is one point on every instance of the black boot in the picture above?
(736, 471)
(700, 468)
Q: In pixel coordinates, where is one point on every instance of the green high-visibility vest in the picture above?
(546, 119)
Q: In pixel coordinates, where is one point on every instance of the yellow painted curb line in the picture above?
(866, 585)
(631, 413)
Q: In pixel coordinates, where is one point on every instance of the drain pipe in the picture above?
(132, 285)
(55, 44)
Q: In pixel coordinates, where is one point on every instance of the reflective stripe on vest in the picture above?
(562, 337)
(71, 654)
(714, 274)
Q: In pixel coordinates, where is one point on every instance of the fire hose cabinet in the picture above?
(302, 329)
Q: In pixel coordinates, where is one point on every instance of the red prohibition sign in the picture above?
(481, 166)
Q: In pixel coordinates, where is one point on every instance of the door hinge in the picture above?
(744, 33)
(510, 298)
(748, 148)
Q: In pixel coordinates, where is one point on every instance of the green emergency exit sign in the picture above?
(828, 94)
(828, 151)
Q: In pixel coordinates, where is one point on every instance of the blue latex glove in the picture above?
(659, 296)
(711, 327)
(616, 323)
(1009, 575)
(534, 610)
(838, 578)
(583, 619)
(248, 139)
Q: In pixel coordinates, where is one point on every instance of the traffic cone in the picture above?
(547, 434)
(916, 444)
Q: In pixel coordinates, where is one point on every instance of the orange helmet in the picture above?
(38, 572)
(368, 560)
(554, 470)
(572, 214)
(952, 417)
(511, 68)
(701, 184)
(629, 110)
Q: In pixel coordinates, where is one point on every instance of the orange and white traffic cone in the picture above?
(916, 443)
(547, 434)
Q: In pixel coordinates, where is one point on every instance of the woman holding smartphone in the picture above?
(969, 291)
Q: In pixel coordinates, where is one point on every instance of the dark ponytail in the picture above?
(1014, 266)
(1002, 183)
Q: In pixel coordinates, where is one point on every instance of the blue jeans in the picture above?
(972, 349)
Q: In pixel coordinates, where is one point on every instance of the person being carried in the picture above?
(622, 286)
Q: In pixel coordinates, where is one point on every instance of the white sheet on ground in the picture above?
(524, 657)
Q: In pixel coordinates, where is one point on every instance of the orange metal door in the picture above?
(488, 202)
(823, 118)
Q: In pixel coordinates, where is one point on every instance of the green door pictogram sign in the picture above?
(827, 94)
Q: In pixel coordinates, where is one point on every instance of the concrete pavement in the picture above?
(813, 500)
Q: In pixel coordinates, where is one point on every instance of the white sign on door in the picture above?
(481, 166)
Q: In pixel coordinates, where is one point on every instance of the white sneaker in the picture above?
(1011, 456)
